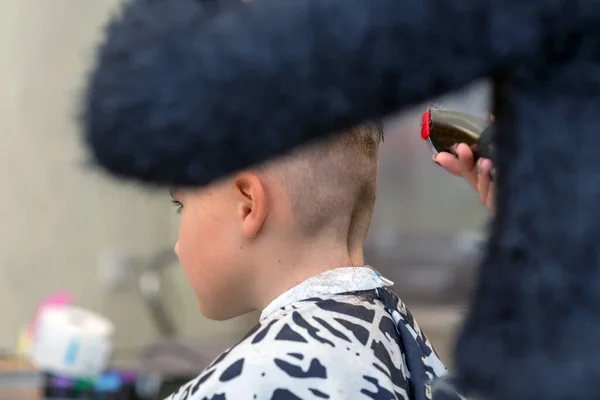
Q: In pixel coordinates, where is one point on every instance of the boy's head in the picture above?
(245, 239)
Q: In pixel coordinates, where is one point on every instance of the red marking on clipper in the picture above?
(426, 125)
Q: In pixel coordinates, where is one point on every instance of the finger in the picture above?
(466, 164)
(483, 182)
(448, 162)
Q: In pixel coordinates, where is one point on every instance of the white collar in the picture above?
(339, 280)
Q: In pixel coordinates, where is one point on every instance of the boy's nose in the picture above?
(176, 248)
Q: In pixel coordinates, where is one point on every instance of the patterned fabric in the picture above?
(354, 345)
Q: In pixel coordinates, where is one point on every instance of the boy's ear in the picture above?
(251, 203)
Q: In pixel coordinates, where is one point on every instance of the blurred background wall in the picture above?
(58, 219)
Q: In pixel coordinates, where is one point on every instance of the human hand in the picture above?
(480, 174)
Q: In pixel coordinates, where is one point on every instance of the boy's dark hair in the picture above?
(177, 98)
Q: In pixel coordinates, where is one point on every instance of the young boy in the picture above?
(287, 238)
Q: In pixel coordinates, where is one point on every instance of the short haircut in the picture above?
(333, 182)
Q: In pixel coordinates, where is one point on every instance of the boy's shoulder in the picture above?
(334, 347)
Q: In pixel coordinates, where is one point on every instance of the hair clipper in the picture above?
(443, 129)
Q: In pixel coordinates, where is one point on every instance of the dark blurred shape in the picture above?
(178, 95)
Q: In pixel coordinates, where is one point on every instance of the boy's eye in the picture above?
(177, 205)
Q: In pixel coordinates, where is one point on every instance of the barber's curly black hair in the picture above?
(202, 86)
(184, 92)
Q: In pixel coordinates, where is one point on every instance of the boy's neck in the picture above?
(281, 271)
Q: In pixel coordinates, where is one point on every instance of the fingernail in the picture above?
(479, 167)
(434, 160)
(492, 174)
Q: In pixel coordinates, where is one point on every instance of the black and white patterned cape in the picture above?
(340, 335)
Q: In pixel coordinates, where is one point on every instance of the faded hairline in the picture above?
(332, 183)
